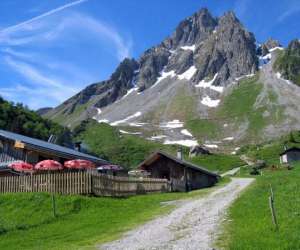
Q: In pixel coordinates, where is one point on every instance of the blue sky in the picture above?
(52, 49)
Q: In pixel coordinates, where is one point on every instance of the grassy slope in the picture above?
(27, 221)
(250, 224)
(126, 150)
(240, 107)
(220, 163)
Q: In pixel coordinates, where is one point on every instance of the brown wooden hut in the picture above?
(183, 176)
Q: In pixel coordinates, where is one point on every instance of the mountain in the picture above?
(208, 82)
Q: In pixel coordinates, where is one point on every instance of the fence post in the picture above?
(272, 208)
(53, 205)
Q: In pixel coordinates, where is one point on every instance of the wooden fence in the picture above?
(63, 183)
(81, 183)
(105, 185)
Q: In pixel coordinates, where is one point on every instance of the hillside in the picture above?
(130, 150)
(19, 119)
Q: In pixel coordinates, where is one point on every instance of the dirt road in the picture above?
(193, 224)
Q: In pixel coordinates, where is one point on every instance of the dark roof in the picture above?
(50, 147)
(289, 150)
(180, 162)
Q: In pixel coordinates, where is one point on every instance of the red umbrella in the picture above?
(48, 165)
(21, 166)
(79, 164)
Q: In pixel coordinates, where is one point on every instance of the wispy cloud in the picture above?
(51, 79)
(42, 89)
(292, 10)
(46, 14)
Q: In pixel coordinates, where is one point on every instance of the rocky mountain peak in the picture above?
(294, 45)
(265, 48)
(192, 30)
(228, 17)
(125, 72)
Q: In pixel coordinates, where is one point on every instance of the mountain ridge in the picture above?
(185, 78)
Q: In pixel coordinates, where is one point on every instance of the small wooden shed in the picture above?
(290, 155)
(183, 176)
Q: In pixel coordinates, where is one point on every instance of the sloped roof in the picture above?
(289, 150)
(182, 163)
(44, 146)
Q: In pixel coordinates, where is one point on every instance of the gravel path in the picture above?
(192, 225)
(231, 172)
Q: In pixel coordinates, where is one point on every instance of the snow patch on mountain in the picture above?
(102, 120)
(192, 47)
(228, 139)
(99, 111)
(129, 133)
(135, 115)
(157, 137)
(137, 124)
(187, 143)
(209, 84)
(188, 74)
(211, 145)
(186, 132)
(129, 92)
(244, 76)
(276, 48)
(163, 76)
(172, 124)
(207, 101)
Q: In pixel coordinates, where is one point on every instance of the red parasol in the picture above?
(21, 166)
(79, 164)
(48, 165)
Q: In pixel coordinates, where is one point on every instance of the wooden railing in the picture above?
(105, 185)
(82, 183)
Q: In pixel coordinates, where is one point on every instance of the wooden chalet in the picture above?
(16, 147)
(183, 176)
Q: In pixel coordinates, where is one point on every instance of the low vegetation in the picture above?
(27, 221)
(249, 224)
(19, 119)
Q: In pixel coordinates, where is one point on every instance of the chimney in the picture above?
(78, 146)
(52, 138)
(179, 154)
